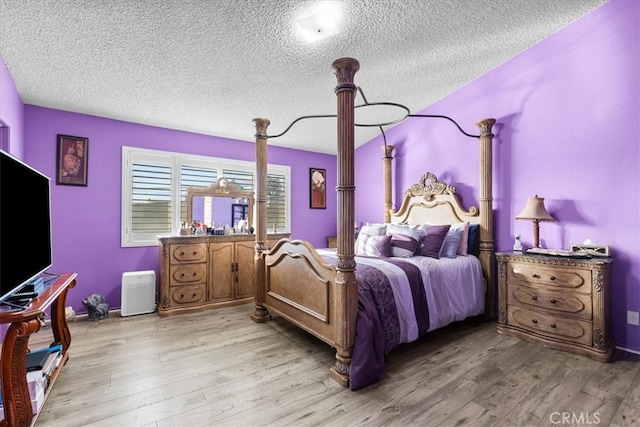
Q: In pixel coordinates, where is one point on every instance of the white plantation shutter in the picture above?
(151, 198)
(277, 202)
(154, 187)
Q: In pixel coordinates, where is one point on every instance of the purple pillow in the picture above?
(384, 246)
(403, 245)
(431, 242)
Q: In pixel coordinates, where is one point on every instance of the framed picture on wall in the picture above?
(317, 188)
(72, 164)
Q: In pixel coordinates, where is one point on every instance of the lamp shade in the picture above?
(535, 210)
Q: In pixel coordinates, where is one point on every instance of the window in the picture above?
(154, 189)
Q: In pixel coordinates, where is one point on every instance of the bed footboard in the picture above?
(297, 284)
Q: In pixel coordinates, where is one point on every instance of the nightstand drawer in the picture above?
(572, 330)
(570, 279)
(569, 303)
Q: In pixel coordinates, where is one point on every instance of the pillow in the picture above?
(404, 239)
(373, 229)
(464, 236)
(431, 242)
(403, 245)
(384, 245)
(473, 246)
(451, 242)
(373, 245)
(404, 229)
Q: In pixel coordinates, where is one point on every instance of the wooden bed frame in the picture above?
(293, 280)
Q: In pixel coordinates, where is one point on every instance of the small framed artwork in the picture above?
(317, 188)
(72, 164)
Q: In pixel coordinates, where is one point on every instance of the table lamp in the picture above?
(535, 211)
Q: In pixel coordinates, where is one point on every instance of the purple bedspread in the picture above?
(377, 324)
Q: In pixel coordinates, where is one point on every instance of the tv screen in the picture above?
(25, 224)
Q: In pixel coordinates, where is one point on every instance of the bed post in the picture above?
(346, 285)
(260, 312)
(387, 180)
(487, 248)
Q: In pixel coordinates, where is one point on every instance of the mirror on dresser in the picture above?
(222, 203)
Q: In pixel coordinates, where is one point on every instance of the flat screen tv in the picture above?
(25, 224)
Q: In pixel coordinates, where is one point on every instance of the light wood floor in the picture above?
(218, 368)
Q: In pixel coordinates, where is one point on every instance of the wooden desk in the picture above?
(23, 323)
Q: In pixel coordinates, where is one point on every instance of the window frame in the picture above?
(176, 160)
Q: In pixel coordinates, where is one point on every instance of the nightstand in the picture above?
(558, 302)
(332, 241)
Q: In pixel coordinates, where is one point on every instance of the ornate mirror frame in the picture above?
(222, 188)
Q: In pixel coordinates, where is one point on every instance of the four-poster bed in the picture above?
(321, 295)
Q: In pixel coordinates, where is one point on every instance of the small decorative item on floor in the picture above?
(97, 307)
(69, 314)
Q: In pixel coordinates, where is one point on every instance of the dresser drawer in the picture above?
(568, 303)
(190, 294)
(570, 279)
(194, 252)
(570, 330)
(188, 273)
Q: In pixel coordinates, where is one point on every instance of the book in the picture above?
(36, 360)
(50, 364)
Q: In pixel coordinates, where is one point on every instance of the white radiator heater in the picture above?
(138, 294)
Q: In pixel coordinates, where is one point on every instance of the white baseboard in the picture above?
(628, 350)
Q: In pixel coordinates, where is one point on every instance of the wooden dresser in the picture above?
(560, 303)
(207, 271)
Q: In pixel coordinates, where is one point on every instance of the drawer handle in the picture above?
(181, 274)
(534, 297)
(181, 253)
(552, 301)
(535, 276)
(553, 325)
(552, 278)
(535, 321)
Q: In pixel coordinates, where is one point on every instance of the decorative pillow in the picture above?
(373, 229)
(451, 242)
(372, 245)
(403, 245)
(431, 242)
(384, 245)
(403, 229)
(464, 236)
(404, 240)
(473, 246)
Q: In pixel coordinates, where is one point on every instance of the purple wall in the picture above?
(567, 130)
(11, 139)
(86, 220)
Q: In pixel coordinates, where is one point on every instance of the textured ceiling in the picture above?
(212, 66)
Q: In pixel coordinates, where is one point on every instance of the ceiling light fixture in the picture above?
(319, 24)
